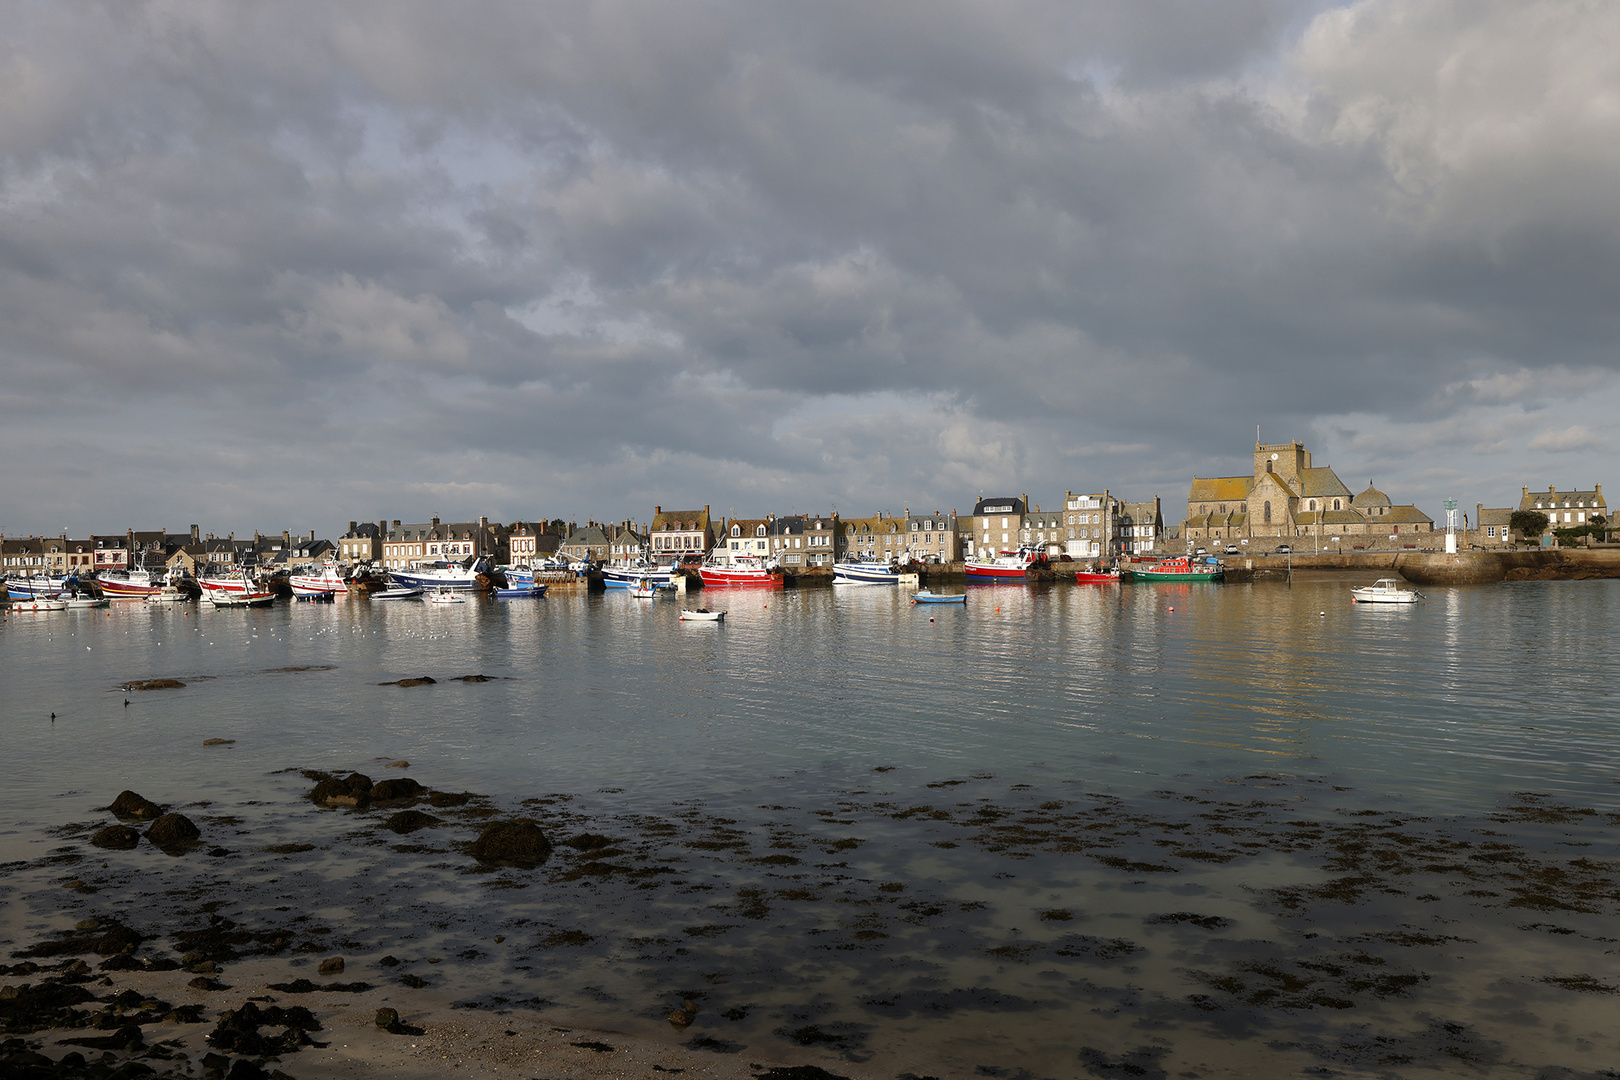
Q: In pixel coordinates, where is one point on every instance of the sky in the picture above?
(283, 266)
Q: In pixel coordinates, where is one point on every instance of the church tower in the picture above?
(1287, 460)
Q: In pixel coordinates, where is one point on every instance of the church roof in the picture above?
(1406, 515)
(1220, 488)
(1371, 497)
(1317, 483)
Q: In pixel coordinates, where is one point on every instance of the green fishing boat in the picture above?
(1180, 568)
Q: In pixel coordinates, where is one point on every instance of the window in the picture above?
(1268, 504)
(1336, 505)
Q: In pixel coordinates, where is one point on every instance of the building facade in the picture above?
(679, 534)
(995, 525)
(932, 537)
(1566, 508)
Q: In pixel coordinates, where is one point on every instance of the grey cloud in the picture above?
(585, 252)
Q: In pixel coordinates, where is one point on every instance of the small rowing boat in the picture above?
(702, 615)
(926, 597)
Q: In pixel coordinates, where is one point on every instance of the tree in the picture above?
(1528, 523)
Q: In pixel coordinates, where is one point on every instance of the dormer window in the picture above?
(736, 531)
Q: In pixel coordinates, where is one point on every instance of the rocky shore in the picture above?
(1268, 924)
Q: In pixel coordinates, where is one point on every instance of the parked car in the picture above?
(1231, 549)
(1284, 549)
(1201, 551)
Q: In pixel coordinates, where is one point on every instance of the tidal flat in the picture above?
(1182, 833)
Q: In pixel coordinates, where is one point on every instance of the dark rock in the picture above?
(243, 1069)
(448, 798)
(32, 1008)
(203, 982)
(354, 791)
(238, 1031)
(415, 982)
(331, 966)
(157, 684)
(387, 1018)
(358, 783)
(388, 961)
(121, 962)
(112, 938)
(116, 837)
(420, 680)
(215, 1063)
(173, 831)
(473, 678)
(129, 805)
(402, 787)
(515, 843)
(408, 821)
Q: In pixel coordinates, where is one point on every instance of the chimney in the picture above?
(194, 534)
(396, 524)
(435, 519)
(352, 527)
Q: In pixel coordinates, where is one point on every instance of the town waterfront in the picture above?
(1064, 828)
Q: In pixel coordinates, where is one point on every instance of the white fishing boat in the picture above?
(644, 590)
(168, 594)
(21, 587)
(84, 600)
(702, 615)
(1384, 591)
(437, 576)
(865, 572)
(326, 583)
(238, 591)
(446, 595)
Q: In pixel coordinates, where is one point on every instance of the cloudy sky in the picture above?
(283, 265)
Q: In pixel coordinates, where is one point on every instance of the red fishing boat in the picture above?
(1097, 575)
(745, 572)
(1008, 566)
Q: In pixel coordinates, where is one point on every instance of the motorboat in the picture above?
(168, 594)
(926, 597)
(222, 598)
(865, 572)
(702, 615)
(83, 600)
(1097, 575)
(644, 589)
(1384, 591)
(446, 595)
(38, 603)
(521, 591)
(399, 592)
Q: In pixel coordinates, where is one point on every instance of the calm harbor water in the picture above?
(899, 762)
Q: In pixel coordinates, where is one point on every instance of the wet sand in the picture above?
(963, 926)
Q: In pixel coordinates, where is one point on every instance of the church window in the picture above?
(1336, 505)
(1268, 512)
(1268, 467)
(1311, 505)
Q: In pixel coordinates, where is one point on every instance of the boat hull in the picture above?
(114, 588)
(938, 598)
(627, 577)
(739, 579)
(521, 592)
(34, 586)
(460, 580)
(992, 572)
(1089, 577)
(1173, 575)
(865, 574)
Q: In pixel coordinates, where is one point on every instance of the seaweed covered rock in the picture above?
(408, 821)
(132, 806)
(116, 838)
(238, 1030)
(353, 790)
(515, 843)
(173, 832)
(402, 787)
(103, 939)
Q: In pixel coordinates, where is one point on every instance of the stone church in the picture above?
(1287, 497)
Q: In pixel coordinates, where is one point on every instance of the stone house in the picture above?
(679, 534)
(362, 543)
(882, 538)
(529, 543)
(1090, 524)
(932, 537)
(590, 541)
(743, 538)
(1566, 508)
(995, 525)
(1044, 531)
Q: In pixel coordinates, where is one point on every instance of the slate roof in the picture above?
(1405, 515)
(1592, 499)
(1018, 505)
(1320, 483)
(1491, 515)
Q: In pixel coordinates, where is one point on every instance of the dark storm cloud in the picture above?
(579, 258)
